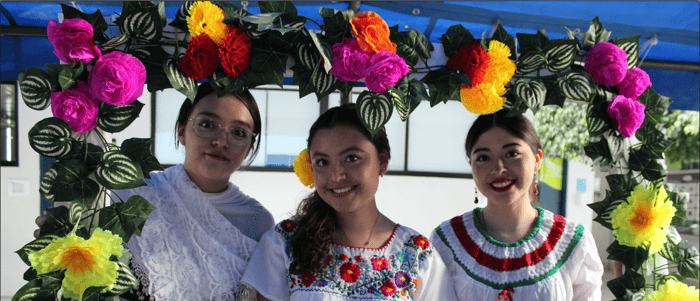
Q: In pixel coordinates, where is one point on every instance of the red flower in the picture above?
(421, 242)
(288, 225)
(328, 260)
(201, 59)
(343, 257)
(349, 272)
(235, 52)
(359, 258)
(389, 288)
(471, 59)
(307, 279)
(380, 264)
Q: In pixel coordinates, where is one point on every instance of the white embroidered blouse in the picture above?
(405, 268)
(557, 261)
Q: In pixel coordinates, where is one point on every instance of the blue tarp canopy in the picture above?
(673, 63)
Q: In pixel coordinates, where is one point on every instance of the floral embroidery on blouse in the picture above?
(390, 276)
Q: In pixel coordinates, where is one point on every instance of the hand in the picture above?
(40, 220)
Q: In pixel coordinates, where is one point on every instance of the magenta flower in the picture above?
(385, 70)
(117, 78)
(628, 114)
(76, 107)
(72, 41)
(349, 63)
(607, 64)
(634, 84)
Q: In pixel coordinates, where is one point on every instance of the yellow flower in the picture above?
(484, 98)
(207, 18)
(302, 167)
(643, 218)
(86, 261)
(501, 68)
(673, 290)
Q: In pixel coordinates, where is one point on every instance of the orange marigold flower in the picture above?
(485, 98)
(501, 68)
(472, 60)
(372, 33)
(207, 18)
(302, 168)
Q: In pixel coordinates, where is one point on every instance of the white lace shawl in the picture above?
(187, 249)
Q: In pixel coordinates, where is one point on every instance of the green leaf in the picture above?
(139, 150)
(650, 168)
(52, 281)
(631, 48)
(615, 143)
(444, 84)
(113, 119)
(36, 245)
(415, 94)
(514, 105)
(597, 119)
(455, 37)
(90, 154)
(531, 43)
(285, 7)
(30, 291)
(503, 36)
(599, 151)
(231, 12)
(412, 45)
(323, 51)
(688, 260)
(179, 80)
(596, 34)
(68, 77)
(577, 85)
(529, 63)
(621, 185)
(336, 24)
(260, 19)
(51, 137)
(142, 24)
(554, 94)
(680, 202)
(118, 171)
(605, 208)
(374, 110)
(114, 43)
(398, 99)
(630, 282)
(633, 258)
(95, 19)
(126, 219)
(125, 281)
(92, 293)
(560, 54)
(35, 87)
(654, 105)
(307, 55)
(153, 58)
(72, 184)
(531, 93)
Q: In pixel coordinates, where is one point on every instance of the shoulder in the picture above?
(453, 226)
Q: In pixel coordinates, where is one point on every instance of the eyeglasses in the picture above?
(208, 128)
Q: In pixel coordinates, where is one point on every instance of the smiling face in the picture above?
(504, 166)
(346, 168)
(213, 160)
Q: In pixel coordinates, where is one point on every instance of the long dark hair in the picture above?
(316, 220)
(517, 125)
(204, 90)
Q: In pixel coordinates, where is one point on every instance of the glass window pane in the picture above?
(396, 133)
(334, 100)
(168, 104)
(436, 138)
(260, 96)
(288, 122)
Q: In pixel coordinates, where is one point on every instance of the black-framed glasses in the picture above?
(209, 128)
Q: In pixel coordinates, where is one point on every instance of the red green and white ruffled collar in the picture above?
(505, 266)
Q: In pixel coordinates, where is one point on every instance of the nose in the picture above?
(499, 166)
(219, 141)
(338, 173)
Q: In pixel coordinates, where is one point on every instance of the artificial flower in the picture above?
(349, 272)
(607, 64)
(485, 98)
(501, 68)
(86, 261)
(421, 242)
(235, 52)
(288, 225)
(628, 114)
(302, 168)
(343, 257)
(673, 290)
(350, 62)
(372, 33)
(72, 41)
(77, 107)
(307, 279)
(201, 59)
(385, 70)
(643, 218)
(634, 84)
(117, 78)
(379, 264)
(388, 289)
(359, 258)
(472, 60)
(403, 279)
(205, 18)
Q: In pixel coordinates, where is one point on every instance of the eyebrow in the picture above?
(347, 150)
(484, 149)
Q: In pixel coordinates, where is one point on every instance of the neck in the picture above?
(361, 228)
(511, 222)
(206, 184)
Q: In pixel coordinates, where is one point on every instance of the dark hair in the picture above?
(205, 89)
(517, 125)
(316, 220)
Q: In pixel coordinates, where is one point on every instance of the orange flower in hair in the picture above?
(372, 33)
(302, 167)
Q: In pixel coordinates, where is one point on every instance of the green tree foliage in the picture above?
(682, 126)
(562, 131)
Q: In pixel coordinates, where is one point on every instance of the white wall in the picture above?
(577, 201)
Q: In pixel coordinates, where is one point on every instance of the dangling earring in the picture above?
(476, 196)
(537, 183)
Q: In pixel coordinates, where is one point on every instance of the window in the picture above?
(8, 124)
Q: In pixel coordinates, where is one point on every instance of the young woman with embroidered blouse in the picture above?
(339, 246)
(510, 250)
(197, 243)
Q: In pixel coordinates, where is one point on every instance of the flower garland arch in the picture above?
(234, 50)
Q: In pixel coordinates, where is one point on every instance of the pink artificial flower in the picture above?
(77, 107)
(117, 78)
(72, 41)
(628, 114)
(385, 70)
(634, 84)
(350, 62)
(607, 64)
(380, 264)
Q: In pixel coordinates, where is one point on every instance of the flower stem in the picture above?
(108, 146)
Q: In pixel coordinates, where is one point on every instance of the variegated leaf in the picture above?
(374, 110)
(399, 102)
(631, 48)
(577, 86)
(179, 80)
(51, 138)
(323, 81)
(35, 87)
(322, 51)
(114, 42)
(531, 93)
(596, 125)
(308, 56)
(35, 245)
(47, 183)
(559, 54)
(531, 62)
(184, 10)
(605, 215)
(142, 24)
(117, 171)
(76, 211)
(125, 280)
(30, 291)
(115, 119)
(615, 143)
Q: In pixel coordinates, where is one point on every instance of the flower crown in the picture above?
(302, 168)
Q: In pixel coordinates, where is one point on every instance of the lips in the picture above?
(501, 185)
(217, 156)
(342, 192)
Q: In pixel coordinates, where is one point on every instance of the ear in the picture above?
(538, 159)
(181, 134)
(383, 164)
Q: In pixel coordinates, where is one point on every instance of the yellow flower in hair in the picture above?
(643, 218)
(674, 290)
(484, 98)
(501, 68)
(207, 18)
(302, 167)
(86, 261)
